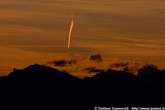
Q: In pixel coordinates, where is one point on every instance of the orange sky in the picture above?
(126, 29)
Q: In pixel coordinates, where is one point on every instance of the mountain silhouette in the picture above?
(40, 72)
(39, 86)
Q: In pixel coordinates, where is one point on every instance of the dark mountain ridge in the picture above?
(50, 88)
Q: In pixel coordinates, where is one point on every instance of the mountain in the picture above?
(40, 72)
(39, 86)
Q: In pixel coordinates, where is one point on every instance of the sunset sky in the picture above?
(35, 31)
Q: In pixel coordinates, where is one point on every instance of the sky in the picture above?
(35, 31)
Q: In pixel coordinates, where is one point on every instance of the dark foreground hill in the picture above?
(38, 86)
